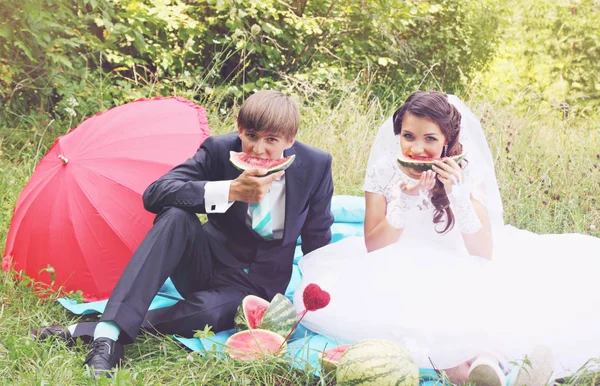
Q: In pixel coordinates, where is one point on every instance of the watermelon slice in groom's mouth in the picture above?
(243, 161)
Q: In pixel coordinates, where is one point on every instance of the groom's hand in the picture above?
(252, 185)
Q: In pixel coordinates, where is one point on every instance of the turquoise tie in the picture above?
(261, 219)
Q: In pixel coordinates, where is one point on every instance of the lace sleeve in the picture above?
(462, 206)
(477, 187)
(379, 177)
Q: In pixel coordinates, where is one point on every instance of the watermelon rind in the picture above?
(280, 316)
(377, 362)
(272, 165)
(255, 344)
(243, 315)
(328, 363)
(422, 166)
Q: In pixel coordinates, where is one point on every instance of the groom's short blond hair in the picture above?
(270, 111)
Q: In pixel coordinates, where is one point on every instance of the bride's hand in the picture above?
(425, 183)
(449, 172)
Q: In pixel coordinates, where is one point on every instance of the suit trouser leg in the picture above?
(175, 246)
(215, 306)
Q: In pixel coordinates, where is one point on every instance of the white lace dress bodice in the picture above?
(385, 179)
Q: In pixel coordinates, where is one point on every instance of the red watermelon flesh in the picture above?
(243, 161)
(255, 316)
(253, 344)
(334, 354)
(250, 313)
(330, 358)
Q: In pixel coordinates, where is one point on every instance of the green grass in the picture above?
(549, 173)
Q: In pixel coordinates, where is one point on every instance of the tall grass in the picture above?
(549, 173)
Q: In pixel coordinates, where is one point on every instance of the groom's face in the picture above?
(421, 138)
(263, 144)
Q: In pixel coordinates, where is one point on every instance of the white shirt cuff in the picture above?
(216, 196)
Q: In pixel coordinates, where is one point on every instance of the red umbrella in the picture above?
(81, 212)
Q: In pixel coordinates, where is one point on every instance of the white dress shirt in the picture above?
(216, 200)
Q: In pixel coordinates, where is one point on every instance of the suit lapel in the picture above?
(295, 177)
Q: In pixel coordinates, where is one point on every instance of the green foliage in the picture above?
(453, 41)
(260, 42)
(106, 52)
(551, 55)
(46, 47)
(577, 51)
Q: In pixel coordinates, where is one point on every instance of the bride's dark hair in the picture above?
(434, 106)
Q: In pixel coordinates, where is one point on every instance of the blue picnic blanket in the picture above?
(304, 345)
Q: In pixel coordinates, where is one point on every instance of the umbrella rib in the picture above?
(116, 182)
(126, 158)
(142, 135)
(25, 209)
(116, 200)
(106, 118)
(101, 215)
(34, 185)
(71, 201)
(98, 173)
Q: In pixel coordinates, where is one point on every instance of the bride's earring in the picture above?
(445, 152)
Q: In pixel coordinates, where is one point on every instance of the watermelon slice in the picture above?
(250, 312)
(243, 161)
(278, 316)
(330, 358)
(254, 344)
(422, 165)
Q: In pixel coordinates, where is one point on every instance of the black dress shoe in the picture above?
(105, 355)
(58, 332)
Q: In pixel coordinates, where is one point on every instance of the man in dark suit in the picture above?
(246, 246)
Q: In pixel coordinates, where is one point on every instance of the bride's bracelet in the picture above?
(464, 212)
(397, 210)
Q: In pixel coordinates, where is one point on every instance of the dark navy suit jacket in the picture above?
(308, 192)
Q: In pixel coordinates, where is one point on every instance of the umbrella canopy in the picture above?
(81, 212)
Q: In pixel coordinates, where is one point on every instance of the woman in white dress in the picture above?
(439, 272)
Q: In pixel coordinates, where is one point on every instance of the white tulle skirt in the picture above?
(446, 307)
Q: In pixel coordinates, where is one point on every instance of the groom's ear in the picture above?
(290, 142)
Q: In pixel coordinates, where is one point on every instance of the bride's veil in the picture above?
(472, 137)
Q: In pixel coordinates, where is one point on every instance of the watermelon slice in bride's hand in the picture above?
(424, 164)
(243, 161)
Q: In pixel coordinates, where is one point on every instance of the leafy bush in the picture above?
(551, 55)
(46, 46)
(124, 49)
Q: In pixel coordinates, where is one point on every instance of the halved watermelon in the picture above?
(243, 161)
(422, 165)
(330, 358)
(254, 344)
